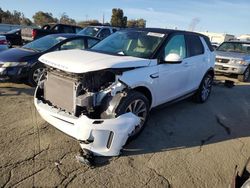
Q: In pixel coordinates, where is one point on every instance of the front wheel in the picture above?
(204, 90)
(245, 76)
(35, 73)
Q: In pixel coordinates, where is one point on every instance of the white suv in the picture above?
(103, 96)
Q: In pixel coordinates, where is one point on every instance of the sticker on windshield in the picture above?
(156, 34)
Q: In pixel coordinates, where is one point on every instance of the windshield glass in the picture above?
(131, 43)
(44, 43)
(238, 47)
(89, 31)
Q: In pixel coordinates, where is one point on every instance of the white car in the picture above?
(103, 96)
(3, 43)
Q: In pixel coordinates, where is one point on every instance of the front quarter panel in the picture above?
(142, 77)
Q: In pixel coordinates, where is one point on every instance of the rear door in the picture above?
(196, 60)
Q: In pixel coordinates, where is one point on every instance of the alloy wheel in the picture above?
(139, 108)
(37, 74)
(206, 88)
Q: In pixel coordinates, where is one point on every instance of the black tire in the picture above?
(122, 108)
(134, 97)
(35, 73)
(244, 77)
(205, 89)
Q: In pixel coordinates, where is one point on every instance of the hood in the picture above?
(16, 55)
(81, 61)
(232, 55)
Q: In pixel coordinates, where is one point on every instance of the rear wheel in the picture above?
(204, 90)
(244, 77)
(35, 74)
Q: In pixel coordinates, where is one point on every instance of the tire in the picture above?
(35, 73)
(204, 90)
(244, 77)
(132, 100)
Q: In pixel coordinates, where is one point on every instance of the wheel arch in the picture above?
(145, 91)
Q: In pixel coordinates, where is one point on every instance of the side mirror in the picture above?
(173, 58)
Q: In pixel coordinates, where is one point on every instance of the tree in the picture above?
(89, 22)
(140, 23)
(41, 18)
(118, 19)
(65, 19)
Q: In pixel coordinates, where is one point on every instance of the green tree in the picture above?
(42, 18)
(118, 19)
(65, 19)
(89, 22)
(140, 23)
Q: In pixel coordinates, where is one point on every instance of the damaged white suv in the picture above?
(103, 96)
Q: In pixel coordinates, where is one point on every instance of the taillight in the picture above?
(3, 42)
(33, 33)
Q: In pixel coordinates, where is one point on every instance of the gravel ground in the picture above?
(183, 145)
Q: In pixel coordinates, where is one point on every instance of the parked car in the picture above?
(29, 34)
(100, 32)
(19, 63)
(13, 37)
(103, 95)
(3, 43)
(233, 58)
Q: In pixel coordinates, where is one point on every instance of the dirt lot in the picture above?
(183, 145)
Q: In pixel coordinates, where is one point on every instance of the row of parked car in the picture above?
(22, 63)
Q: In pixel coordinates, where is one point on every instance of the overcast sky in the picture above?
(212, 15)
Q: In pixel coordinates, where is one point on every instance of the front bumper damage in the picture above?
(103, 137)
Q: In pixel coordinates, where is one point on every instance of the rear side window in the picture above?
(68, 29)
(195, 46)
(208, 43)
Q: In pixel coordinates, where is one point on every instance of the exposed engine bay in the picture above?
(89, 93)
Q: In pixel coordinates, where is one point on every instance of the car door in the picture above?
(196, 60)
(173, 81)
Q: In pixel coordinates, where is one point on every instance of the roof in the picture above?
(239, 41)
(164, 31)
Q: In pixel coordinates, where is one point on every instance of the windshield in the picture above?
(238, 47)
(131, 43)
(89, 31)
(44, 43)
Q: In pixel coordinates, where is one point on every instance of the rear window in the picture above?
(195, 46)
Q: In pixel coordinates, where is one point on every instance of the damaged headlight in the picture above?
(13, 64)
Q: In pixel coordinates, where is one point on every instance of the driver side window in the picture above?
(176, 45)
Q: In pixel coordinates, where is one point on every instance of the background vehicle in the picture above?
(98, 31)
(13, 37)
(105, 93)
(233, 58)
(17, 63)
(3, 43)
(30, 34)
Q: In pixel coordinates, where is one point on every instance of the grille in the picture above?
(221, 60)
(60, 92)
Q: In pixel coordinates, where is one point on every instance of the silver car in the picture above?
(233, 58)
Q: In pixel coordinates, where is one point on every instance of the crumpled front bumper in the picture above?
(103, 137)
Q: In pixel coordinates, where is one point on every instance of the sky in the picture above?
(223, 16)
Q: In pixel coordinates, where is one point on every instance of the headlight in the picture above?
(13, 64)
(240, 62)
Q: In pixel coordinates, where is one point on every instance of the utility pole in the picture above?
(103, 19)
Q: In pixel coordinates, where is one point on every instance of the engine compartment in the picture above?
(77, 94)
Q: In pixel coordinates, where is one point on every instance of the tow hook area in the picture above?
(86, 157)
